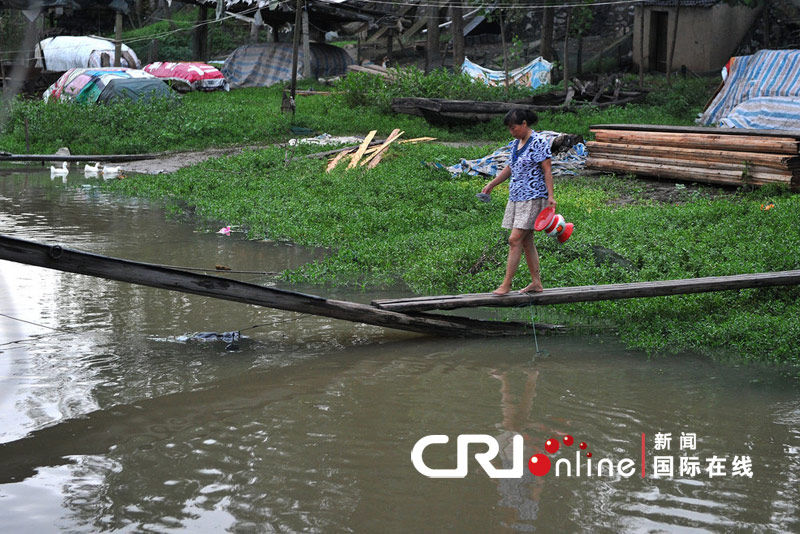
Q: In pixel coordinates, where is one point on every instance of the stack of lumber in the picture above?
(369, 153)
(713, 155)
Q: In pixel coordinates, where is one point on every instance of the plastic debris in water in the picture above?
(225, 230)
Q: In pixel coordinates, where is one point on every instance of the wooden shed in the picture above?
(704, 33)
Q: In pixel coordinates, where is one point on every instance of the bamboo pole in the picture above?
(563, 295)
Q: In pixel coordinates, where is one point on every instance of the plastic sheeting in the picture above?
(85, 85)
(533, 75)
(565, 163)
(187, 76)
(761, 91)
(265, 64)
(134, 90)
(66, 52)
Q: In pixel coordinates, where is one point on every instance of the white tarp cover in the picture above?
(67, 52)
(532, 75)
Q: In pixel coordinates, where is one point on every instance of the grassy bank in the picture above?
(253, 116)
(403, 221)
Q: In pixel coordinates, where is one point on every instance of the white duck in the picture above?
(91, 170)
(110, 172)
(59, 171)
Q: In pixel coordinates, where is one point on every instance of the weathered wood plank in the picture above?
(776, 161)
(698, 130)
(697, 174)
(362, 149)
(73, 261)
(563, 295)
(715, 141)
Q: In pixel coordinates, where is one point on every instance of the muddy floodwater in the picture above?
(114, 416)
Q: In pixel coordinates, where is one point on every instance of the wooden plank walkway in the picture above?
(563, 295)
(74, 261)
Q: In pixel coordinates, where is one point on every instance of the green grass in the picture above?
(405, 222)
(253, 116)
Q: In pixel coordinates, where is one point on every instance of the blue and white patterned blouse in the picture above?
(527, 176)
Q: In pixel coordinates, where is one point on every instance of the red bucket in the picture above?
(544, 219)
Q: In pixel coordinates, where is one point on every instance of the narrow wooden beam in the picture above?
(563, 295)
(794, 134)
(362, 149)
(73, 261)
(710, 141)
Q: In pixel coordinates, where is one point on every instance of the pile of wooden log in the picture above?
(729, 156)
(369, 153)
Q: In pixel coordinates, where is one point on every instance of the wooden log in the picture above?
(73, 261)
(362, 149)
(563, 295)
(682, 173)
(697, 164)
(794, 134)
(775, 161)
(782, 145)
(774, 145)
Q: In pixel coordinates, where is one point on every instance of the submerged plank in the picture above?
(563, 295)
(73, 261)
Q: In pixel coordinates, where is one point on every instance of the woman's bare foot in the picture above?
(502, 290)
(533, 287)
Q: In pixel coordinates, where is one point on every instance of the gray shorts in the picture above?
(522, 214)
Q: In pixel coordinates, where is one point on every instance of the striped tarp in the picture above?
(761, 91)
(265, 64)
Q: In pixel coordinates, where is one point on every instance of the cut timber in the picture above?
(684, 173)
(375, 158)
(362, 149)
(563, 295)
(794, 134)
(336, 160)
(755, 171)
(776, 161)
(774, 145)
(73, 261)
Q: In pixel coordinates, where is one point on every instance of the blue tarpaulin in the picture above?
(532, 75)
(761, 91)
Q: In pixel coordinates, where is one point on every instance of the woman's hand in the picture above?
(487, 188)
(551, 201)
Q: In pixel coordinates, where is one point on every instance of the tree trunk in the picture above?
(672, 44)
(579, 59)
(200, 51)
(432, 59)
(118, 40)
(458, 37)
(298, 24)
(307, 71)
(547, 34)
(565, 59)
(505, 50)
(641, 48)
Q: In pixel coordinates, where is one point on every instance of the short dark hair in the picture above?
(520, 115)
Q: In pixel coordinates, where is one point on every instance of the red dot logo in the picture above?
(568, 440)
(582, 445)
(539, 465)
(551, 446)
(588, 454)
